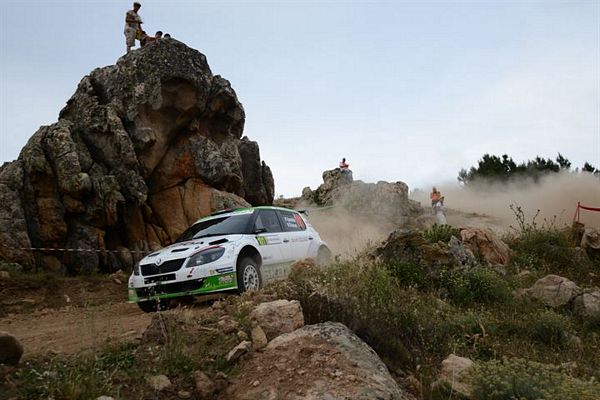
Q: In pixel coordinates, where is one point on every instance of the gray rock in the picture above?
(11, 349)
(259, 338)
(554, 291)
(588, 303)
(238, 351)
(142, 149)
(335, 363)
(454, 378)
(277, 317)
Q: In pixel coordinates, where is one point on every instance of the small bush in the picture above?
(548, 327)
(441, 233)
(526, 380)
(409, 274)
(479, 285)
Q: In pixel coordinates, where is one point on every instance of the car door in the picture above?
(272, 243)
(299, 236)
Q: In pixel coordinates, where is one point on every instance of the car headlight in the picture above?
(136, 269)
(205, 257)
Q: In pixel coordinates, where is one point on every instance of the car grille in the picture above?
(169, 288)
(167, 266)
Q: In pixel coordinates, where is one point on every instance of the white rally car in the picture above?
(235, 249)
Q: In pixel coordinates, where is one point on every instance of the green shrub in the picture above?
(479, 285)
(441, 233)
(409, 274)
(518, 379)
(548, 327)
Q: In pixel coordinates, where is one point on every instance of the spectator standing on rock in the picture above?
(345, 168)
(435, 196)
(133, 26)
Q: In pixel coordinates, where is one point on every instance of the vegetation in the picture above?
(504, 168)
(441, 233)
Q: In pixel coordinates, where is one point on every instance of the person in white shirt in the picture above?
(133, 24)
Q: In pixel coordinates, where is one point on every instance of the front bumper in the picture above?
(208, 278)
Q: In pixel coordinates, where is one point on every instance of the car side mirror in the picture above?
(260, 230)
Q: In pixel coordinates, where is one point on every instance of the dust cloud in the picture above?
(555, 195)
(347, 234)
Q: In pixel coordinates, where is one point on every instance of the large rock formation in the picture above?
(381, 201)
(141, 150)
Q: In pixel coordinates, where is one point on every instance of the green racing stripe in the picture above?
(211, 284)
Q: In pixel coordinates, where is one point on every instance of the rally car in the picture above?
(233, 249)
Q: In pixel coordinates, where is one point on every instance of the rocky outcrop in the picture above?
(381, 201)
(487, 245)
(141, 150)
(319, 362)
(554, 291)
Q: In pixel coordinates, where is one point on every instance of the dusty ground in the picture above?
(68, 315)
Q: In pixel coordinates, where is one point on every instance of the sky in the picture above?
(408, 91)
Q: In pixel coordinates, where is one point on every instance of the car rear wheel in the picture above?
(248, 275)
(324, 256)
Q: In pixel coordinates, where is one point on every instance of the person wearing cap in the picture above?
(133, 25)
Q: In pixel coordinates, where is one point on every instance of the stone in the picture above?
(453, 379)
(277, 317)
(336, 364)
(487, 245)
(205, 387)
(385, 202)
(227, 324)
(238, 351)
(11, 349)
(588, 303)
(184, 394)
(259, 339)
(554, 291)
(104, 398)
(242, 335)
(159, 382)
(4, 275)
(141, 150)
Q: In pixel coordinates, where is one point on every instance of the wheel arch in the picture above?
(249, 251)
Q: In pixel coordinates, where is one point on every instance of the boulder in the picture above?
(142, 149)
(588, 303)
(11, 349)
(385, 202)
(590, 239)
(554, 291)
(319, 362)
(453, 381)
(487, 245)
(277, 317)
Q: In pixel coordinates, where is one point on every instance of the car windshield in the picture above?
(229, 225)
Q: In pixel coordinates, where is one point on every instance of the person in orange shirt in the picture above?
(435, 196)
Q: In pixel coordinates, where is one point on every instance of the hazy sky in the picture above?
(405, 90)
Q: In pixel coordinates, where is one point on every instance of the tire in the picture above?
(248, 275)
(153, 306)
(324, 256)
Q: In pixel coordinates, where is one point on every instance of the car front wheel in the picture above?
(248, 275)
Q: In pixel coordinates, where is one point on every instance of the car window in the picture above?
(267, 219)
(292, 221)
(229, 225)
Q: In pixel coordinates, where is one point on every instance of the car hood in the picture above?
(187, 248)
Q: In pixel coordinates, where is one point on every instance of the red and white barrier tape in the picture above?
(580, 207)
(76, 250)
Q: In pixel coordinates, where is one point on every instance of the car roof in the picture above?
(241, 211)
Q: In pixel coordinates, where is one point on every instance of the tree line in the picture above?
(504, 168)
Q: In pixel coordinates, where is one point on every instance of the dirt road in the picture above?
(67, 315)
